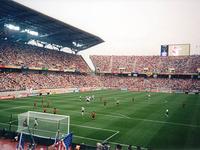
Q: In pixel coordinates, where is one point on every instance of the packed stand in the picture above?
(140, 64)
(151, 83)
(33, 56)
(102, 64)
(51, 80)
(32, 80)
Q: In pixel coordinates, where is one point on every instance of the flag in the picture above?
(64, 144)
(20, 145)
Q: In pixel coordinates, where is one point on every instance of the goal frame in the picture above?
(29, 114)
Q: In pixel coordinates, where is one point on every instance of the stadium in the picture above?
(52, 97)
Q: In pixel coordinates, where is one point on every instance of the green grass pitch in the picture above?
(140, 122)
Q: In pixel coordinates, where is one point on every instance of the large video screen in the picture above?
(179, 49)
(175, 50)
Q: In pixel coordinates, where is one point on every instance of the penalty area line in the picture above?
(113, 143)
(111, 136)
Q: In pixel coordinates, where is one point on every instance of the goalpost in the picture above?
(43, 125)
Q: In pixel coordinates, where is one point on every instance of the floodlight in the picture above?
(12, 27)
(31, 32)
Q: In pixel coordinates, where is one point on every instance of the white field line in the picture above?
(22, 131)
(76, 125)
(93, 128)
(119, 114)
(7, 124)
(155, 121)
(111, 136)
(13, 108)
(40, 130)
(97, 140)
(91, 139)
(133, 118)
(102, 129)
(12, 121)
(116, 115)
(114, 143)
(147, 120)
(116, 132)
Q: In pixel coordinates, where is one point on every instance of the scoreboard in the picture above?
(175, 50)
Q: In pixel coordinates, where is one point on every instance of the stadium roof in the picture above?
(49, 30)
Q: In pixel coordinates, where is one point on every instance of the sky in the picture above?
(128, 27)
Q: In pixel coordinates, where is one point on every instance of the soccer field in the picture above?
(140, 122)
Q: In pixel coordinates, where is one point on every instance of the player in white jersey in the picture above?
(167, 113)
(35, 123)
(82, 111)
(88, 98)
(148, 96)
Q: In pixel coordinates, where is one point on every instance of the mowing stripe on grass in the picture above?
(119, 114)
(142, 119)
(165, 122)
(13, 108)
(91, 139)
(76, 125)
(154, 121)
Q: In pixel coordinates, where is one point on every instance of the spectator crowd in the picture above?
(32, 80)
(139, 64)
(31, 56)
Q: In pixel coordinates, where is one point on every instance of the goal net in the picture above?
(43, 125)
